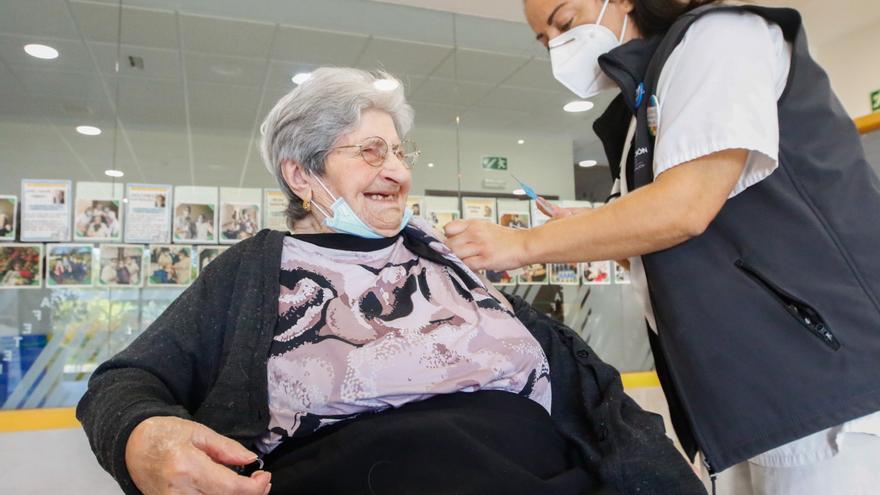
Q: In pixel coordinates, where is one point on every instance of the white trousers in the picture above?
(854, 469)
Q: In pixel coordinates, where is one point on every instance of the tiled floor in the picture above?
(60, 461)
(51, 462)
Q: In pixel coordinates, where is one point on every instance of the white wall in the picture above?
(853, 63)
(543, 162)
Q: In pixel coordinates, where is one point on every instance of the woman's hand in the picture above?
(168, 455)
(486, 246)
(555, 211)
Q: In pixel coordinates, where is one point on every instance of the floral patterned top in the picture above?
(365, 325)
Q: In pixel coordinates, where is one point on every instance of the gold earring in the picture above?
(307, 204)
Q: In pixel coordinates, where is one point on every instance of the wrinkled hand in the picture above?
(168, 455)
(486, 246)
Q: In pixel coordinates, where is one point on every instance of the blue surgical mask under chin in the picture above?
(345, 221)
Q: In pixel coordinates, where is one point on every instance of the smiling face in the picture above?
(377, 194)
(550, 18)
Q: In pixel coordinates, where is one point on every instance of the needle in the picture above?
(548, 206)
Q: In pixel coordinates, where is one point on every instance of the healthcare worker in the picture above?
(751, 221)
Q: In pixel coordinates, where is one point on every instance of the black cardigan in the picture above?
(205, 359)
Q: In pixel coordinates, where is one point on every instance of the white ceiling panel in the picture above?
(95, 151)
(439, 90)
(481, 67)
(163, 155)
(152, 104)
(75, 86)
(68, 98)
(157, 63)
(399, 57)
(224, 149)
(280, 73)
(222, 107)
(434, 114)
(140, 27)
(525, 100)
(14, 102)
(317, 47)
(510, 10)
(411, 84)
(537, 74)
(504, 37)
(34, 151)
(226, 37)
(220, 69)
(46, 18)
(492, 118)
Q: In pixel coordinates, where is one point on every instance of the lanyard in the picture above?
(627, 146)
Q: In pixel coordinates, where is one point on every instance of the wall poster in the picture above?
(7, 217)
(148, 213)
(274, 208)
(97, 214)
(69, 265)
(240, 216)
(195, 215)
(121, 265)
(45, 210)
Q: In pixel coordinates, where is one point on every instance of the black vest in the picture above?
(768, 322)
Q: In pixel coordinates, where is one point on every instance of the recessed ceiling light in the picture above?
(88, 130)
(587, 163)
(431, 165)
(578, 106)
(519, 192)
(521, 141)
(386, 84)
(45, 52)
(113, 173)
(301, 78)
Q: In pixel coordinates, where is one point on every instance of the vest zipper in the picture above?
(805, 314)
(712, 474)
(695, 432)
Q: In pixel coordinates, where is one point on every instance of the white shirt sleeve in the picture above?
(719, 90)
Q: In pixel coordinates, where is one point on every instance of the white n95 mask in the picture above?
(574, 56)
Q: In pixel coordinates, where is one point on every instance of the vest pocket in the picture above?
(805, 314)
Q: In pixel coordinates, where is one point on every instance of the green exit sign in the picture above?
(494, 163)
(875, 101)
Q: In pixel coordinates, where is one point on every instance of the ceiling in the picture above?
(505, 10)
(212, 70)
(825, 20)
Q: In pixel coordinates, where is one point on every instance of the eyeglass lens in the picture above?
(374, 150)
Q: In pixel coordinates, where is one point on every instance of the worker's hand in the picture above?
(486, 246)
(555, 211)
(168, 455)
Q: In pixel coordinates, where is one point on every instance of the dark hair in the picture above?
(657, 16)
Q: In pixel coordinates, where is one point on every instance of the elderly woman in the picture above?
(359, 355)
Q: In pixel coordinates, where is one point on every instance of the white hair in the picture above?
(309, 120)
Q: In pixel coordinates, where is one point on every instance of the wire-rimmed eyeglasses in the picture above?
(374, 151)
